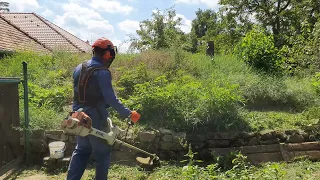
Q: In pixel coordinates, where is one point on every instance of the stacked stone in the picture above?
(174, 145)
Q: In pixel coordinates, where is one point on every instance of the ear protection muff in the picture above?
(109, 53)
(106, 55)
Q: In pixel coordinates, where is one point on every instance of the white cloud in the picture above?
(210, 3)
(84, 23)
(129, 26)
(111, 6)
(28, 6)
(185, 23)
(23, 5)
(73, 8)
(122, 46)
(47, 13)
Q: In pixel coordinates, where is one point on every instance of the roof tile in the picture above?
(12, 39)
(41, 31)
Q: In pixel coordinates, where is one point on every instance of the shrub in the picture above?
(186, 103)
(302, 56)
(130, 77)
(316, 82)
(43, 117)
(279, 93)
(49, 82)
(312, 114)
(257, 49)
(171, 88)
(56, 97)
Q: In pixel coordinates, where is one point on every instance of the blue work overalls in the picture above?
(90, 144)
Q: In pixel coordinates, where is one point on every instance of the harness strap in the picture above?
(85, 74)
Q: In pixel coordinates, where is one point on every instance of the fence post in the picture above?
(26, 111)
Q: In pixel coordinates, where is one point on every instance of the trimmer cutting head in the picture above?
(148, 163)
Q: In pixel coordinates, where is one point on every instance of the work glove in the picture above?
(135, 116)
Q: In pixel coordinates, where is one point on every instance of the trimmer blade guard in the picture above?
(148, 163)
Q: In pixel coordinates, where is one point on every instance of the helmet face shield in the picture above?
(112, 52)
(110, 62)
(111, 57)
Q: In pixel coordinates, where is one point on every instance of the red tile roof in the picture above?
(34, 29)
(12, 39)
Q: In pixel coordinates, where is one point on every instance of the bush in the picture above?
(186, 104)
(316, 46)
(130, 77)
(49, 77)
(43, 117)
(49, 83)
(312, 113)
(302, 56)
(316, 82)
(56, 97)
(282, 93)
(171, 88)
(257, 49)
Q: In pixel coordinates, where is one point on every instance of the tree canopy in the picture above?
(4, 6)
(291, 24)
(161, 31)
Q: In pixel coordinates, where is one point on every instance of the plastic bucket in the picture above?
(57, 149)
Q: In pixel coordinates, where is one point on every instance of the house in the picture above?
(29, 31)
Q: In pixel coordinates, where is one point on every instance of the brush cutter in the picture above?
(80, 124)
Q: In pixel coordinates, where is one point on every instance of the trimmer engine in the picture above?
(80, 124)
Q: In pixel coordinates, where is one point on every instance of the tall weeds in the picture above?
(171, 88)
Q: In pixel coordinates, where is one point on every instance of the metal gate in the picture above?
(10, 148)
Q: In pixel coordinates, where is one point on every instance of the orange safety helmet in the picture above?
(105, 44)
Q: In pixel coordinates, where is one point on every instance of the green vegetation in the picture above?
(265, 75)
(240, 170)
(50, 85)
(257, 50)
(175, 89)
(4, 6)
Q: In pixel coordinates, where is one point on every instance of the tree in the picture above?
(281, 17)
(270, 13)
(204, 22)
(161, 31)
(4, 6)
(220, 27)
(204, 27)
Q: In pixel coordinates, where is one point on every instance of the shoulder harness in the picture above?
(85, 74)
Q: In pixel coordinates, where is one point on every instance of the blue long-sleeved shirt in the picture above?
(102, 79)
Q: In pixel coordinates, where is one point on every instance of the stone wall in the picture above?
(274, 145)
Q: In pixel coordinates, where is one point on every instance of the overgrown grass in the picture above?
(273, 120)
(176, 90)
(287, 171)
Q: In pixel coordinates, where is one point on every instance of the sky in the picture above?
(114, 19)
